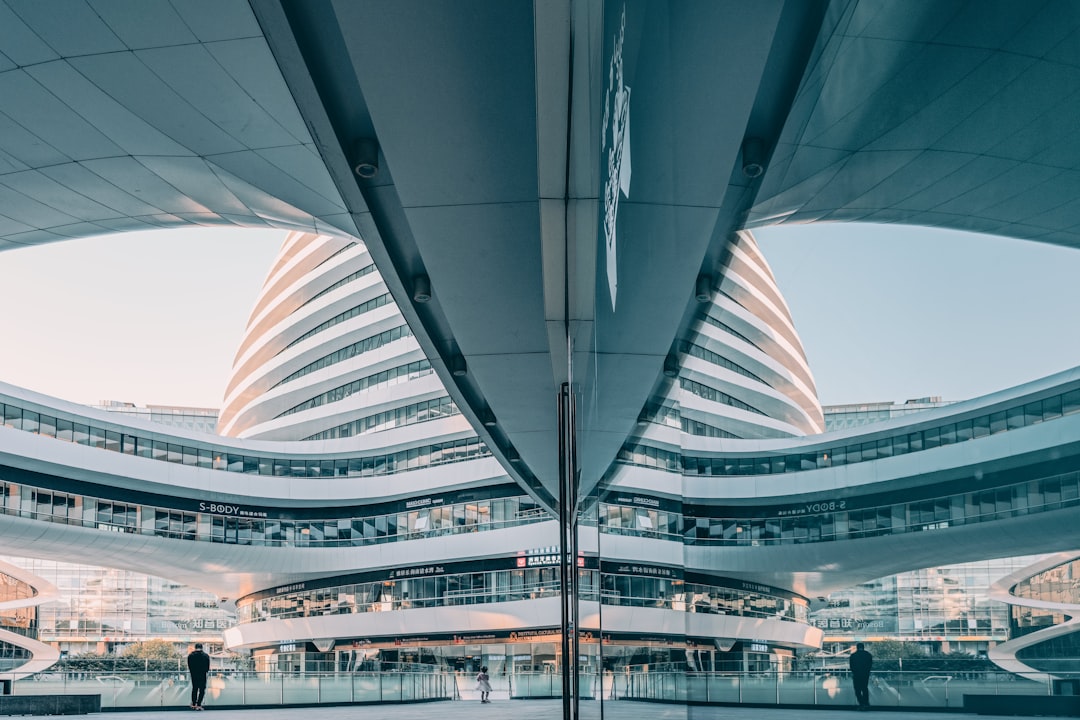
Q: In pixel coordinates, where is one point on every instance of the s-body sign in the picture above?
(226, 509)
(815, 508)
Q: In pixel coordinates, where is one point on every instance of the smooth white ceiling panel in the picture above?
(194, 75)
(128, 174)
(304, 164)
(194, 178)
(20, 43)
(134, 135)
(26, 102)
(247, 61)
(80, 32)
(275, 182)
(212, 20)
(144, 23)
(22, 208)
(47, 191)
(11, 227)
(97, 188)
(127, 80)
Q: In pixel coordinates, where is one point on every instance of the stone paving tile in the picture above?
(530, 710)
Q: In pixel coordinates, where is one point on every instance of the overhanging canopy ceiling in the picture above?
(505, 126)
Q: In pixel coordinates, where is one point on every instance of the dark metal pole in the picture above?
(568, 553)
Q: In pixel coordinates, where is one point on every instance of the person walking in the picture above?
(483, 684)
(860, 663)
(198, 663)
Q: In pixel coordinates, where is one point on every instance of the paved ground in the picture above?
(537, 710)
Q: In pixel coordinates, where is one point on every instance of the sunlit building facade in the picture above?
(103, 611)
(943, 610)
(491, 333)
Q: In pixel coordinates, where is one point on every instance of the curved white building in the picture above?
(558, 207)
(21, 653)
(328, 358)
(357, 516)
(1044, 600)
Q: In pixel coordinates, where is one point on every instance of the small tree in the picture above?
(152, 650)
(895, 650)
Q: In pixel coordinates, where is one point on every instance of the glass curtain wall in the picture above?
(653, 227)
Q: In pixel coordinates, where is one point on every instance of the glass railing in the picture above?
(826, 688)
(820, 687)
(241, 688)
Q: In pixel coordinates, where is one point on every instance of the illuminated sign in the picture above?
(815, 508)
(232, 510)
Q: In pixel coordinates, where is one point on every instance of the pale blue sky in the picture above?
(890, 312)
(885, 312)
(141, 317)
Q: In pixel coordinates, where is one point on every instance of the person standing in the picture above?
(860, 663)
(483, 684)
(198, 663)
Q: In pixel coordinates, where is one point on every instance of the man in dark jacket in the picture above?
(860, 662)
(198, 664)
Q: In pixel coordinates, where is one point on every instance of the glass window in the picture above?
(1014, 418)
(144, 448)
(63, 429)
(1052, 407)
(884, 447)
(190, 455)
(47, 426)
(980, 426)
(932, 438)
(998, 423)
(30, 421)
(1070, 402)
(12, 417)
(97, 437)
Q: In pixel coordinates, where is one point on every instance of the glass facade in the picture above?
(423, 411)
(190, 418)
(839, 417)
(943, 609)
(440, 586)
(101, 610)
(214, 457)
(22, 620)
(1023, 414)
(218, 523)
(1060, 587)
